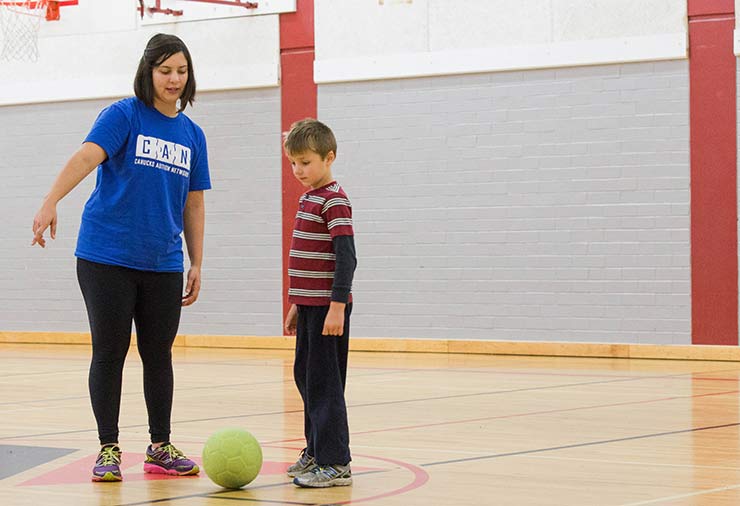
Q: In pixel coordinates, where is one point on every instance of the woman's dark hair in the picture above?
(158, 49)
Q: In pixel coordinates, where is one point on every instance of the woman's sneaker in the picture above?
(325, 476)
(108, 465)
(168, 460)
(304, 464)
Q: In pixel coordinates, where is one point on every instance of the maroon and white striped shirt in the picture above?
(323, 213)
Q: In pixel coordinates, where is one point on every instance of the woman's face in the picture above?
(169, 79)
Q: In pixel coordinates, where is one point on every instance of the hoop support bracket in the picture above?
(157, 8)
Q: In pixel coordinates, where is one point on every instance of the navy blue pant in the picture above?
(115, 296)
(320, 372)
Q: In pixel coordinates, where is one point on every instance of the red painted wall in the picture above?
(713, 111)
(705, 7)
(298, 100)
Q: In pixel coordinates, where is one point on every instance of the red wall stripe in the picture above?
(298, 95)
(296, 28)
(705, 7)
(713, 120)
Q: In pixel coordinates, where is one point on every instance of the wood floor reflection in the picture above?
(426, 429)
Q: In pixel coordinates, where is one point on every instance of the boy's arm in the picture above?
(344, 271)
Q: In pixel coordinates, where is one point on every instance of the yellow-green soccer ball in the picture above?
(232, 458)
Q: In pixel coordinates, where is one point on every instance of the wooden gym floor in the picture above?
(427, 429)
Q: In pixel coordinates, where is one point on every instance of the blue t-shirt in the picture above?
(134, 216)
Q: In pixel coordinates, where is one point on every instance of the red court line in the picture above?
(420, 478)
(79, 471)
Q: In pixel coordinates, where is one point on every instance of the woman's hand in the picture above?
(45, 218)
(192, 288)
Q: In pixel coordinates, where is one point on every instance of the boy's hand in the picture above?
(334, 321)
(291, 319)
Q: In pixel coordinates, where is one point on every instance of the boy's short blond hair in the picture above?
(310, 134)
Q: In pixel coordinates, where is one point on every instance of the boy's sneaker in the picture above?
(304, 464)
(108, 464)
(168, 460)
(325, 476)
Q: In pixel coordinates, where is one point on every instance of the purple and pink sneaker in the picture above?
(169, 460)
(108, 465)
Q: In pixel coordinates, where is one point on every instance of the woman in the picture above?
(152, 169)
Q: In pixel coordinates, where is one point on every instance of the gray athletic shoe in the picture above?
(304, 464)
(325, 476)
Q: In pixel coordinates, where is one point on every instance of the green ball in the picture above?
(232, 458)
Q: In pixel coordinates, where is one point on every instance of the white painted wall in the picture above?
(377, 39)
(93, 51)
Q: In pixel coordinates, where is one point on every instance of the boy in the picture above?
(321, 267)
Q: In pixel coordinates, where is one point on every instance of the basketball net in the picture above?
(20, 22)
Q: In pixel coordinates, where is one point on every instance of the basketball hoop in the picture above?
(20, 21)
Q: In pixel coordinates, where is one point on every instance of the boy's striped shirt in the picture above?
(322, 214)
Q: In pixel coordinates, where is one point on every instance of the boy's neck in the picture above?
(327, 180)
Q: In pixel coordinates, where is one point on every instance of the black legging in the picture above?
(115, 296)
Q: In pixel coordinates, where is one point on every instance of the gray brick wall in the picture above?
(242, 279)
(541, 205)
(538, 205)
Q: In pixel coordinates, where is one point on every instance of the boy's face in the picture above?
(310, 169)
